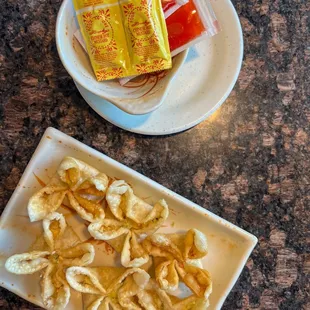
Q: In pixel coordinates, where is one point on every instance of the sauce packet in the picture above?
(191, 23)
(124, 38)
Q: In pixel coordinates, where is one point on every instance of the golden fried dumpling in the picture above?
(65, 246)
(81, 254)
(153, 219)
(46, 200)
(110, 228)
(88, 210)
(55, 290)
(195, 244)
(177, 258)
(124, 205)
(120, 198)
(54, 226)
(94, 187)
(110, 286)
(154, 298)
(27, 263)
(86, 188)
(163, 245)
(123, 235)
(197, 279)
(133, 254)
(107, 229)
(182, 247)
(166, 274)
(74, 172)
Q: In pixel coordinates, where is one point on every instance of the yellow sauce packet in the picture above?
(124, 37)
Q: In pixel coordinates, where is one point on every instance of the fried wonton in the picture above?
(84, 186)
(122, 233)
(182, 247)
(154, 298)
(108, 286)
(52, 260)
(75, 172)
(124, 204)
(197, 279)
(47, 200)
(177, 258)
(89, 210)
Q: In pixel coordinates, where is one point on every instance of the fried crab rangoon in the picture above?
(130, 217)
(115, 286)
(47, 200)
(58, 249)
(116, 215)
(120, 288)
(177, 257)
(84, 185)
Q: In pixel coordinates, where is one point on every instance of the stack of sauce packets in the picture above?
(134, 37)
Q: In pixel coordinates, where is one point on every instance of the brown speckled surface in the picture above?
(249, 163)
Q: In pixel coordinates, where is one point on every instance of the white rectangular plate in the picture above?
(229, 246)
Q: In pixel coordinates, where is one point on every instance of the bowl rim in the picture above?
(80, 81)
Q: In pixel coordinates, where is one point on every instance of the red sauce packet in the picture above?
(191, 23)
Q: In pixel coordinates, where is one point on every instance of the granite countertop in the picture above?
(249, 162)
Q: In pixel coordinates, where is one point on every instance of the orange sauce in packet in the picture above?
(124, 38)
(184, 25)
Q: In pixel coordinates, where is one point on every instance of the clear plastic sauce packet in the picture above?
(191, 23)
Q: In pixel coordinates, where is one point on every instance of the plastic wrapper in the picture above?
(170, 6)
(191, 23)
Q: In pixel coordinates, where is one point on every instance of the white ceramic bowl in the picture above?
(137, 100)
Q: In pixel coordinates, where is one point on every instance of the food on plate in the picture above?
(189, 24)
(74, 172)
(84, 186)
(183, 247)
(116, 286)
(124, 38)
(177, 256)
(152, 264)
(121, 288)
(132, 217)
(58, 249)
(47, 200)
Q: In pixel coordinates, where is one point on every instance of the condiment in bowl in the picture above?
(141, 95)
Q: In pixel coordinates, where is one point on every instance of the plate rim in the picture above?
(250, 239)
